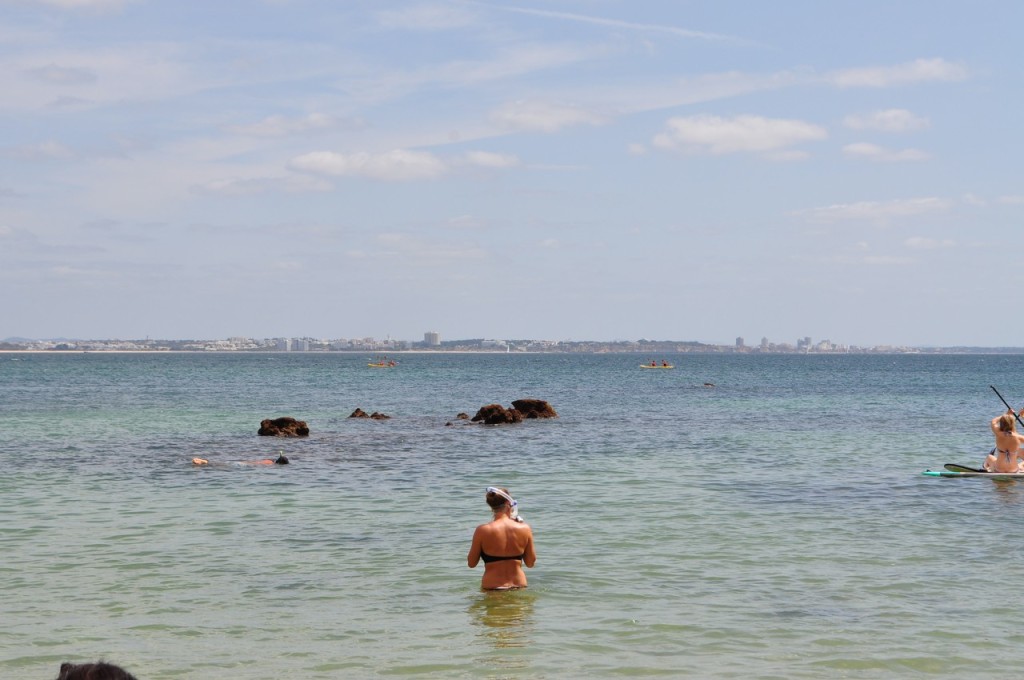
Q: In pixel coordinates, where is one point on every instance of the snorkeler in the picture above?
(280, 460)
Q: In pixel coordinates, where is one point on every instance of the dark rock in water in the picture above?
(462, 416)
(359, 413)
(283, 427)
(496, 414)
(379, 416)
(534, 408)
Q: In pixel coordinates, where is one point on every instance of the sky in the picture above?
(538, 169)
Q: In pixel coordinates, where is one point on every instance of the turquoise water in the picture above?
(775, 525)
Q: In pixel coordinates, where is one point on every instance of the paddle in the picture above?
(953, 467)
(1007, 405)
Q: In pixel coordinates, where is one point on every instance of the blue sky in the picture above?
(558, 169)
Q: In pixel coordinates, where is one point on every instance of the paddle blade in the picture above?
(953, 467)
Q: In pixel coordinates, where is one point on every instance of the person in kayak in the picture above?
(1007, 456)
(504, 544)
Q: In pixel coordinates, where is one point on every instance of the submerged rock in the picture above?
(534, 408)
(359, 413)
(283, 427)
(496, 414)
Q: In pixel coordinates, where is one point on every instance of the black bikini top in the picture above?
(498, 558)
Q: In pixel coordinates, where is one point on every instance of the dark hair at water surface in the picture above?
(93, 671)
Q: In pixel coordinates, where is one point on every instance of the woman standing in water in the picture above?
(504, 544)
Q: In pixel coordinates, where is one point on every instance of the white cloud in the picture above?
(888, 120)
(877, 211)
(542, 117)
(1011, 200)
(618, 24)
(879, 153)
(506, 64)
(917, 71)
(889, 260)
(397, 165)
(100, 76)
(636, 149)
(85, 4)
(487, 159)
(731, 135)
(422, 252)
(467, 222)
(426, 18)
(923, 243)
(263, 185)
(62, 75)
(50, 150)
(787, 155)
(281, 126)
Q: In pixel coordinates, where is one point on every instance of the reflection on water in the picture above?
(1009, 491)
(504, 617)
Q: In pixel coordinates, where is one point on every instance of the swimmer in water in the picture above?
(280, 460)
(504, 544)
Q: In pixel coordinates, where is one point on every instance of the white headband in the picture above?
(499, 492)
(511, 501)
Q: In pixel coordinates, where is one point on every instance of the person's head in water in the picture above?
(281, 460)
(93, 671)
(498, 498)
(502, 503)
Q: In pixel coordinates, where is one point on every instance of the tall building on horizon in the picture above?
(432, 339)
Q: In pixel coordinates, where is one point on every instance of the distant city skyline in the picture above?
(562, 169)
(432, 341)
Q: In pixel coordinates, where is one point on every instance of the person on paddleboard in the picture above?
(1007, 456)
(504, 544)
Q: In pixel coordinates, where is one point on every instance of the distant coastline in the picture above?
(654, 348)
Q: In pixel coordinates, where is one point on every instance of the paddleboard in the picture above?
(990, 475)
(649, 366)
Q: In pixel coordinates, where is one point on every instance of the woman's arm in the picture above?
(529, 555)
(473, 558)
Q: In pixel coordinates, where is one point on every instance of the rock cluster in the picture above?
(496, 414)
(283, 427)
(360, 413)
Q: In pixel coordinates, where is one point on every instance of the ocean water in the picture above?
(775, 525)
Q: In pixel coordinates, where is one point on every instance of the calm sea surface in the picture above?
(775, 525)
